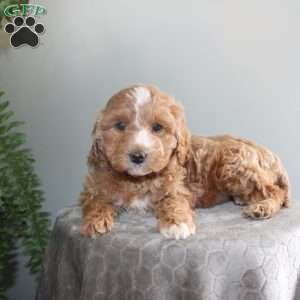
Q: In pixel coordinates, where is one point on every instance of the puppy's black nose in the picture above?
(137, 157)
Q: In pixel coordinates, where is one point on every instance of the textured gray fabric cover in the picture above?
(229, 258)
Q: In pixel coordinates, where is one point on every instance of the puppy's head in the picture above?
(139, 131)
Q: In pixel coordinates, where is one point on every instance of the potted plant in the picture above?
(22, 221)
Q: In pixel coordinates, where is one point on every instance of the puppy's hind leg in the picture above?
(265, 208)
(241, 173)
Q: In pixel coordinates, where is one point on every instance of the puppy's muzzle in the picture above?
(137, 157)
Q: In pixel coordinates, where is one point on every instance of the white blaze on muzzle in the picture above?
(143, 138)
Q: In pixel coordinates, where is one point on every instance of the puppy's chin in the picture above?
(137, 171)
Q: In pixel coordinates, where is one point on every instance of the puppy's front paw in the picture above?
(93, 225)
(180, 231)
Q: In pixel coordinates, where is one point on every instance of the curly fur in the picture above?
(180, 172)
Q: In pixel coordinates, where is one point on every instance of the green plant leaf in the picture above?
(5, 116)
(14, 124)
(4, 104)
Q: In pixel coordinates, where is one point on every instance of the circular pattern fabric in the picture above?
(229, 257)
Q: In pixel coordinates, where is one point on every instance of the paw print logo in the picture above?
(24, 31)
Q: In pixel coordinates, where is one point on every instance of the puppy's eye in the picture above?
(156, 127)
(120, 126)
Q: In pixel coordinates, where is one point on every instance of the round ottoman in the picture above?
(230, 257)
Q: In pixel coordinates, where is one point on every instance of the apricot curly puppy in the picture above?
(143, 157)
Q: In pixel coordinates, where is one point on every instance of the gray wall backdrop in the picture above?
(233, 64)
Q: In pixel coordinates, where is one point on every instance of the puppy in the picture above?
(143, 157)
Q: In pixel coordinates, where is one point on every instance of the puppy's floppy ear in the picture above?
(95, 154)
(182, 133)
